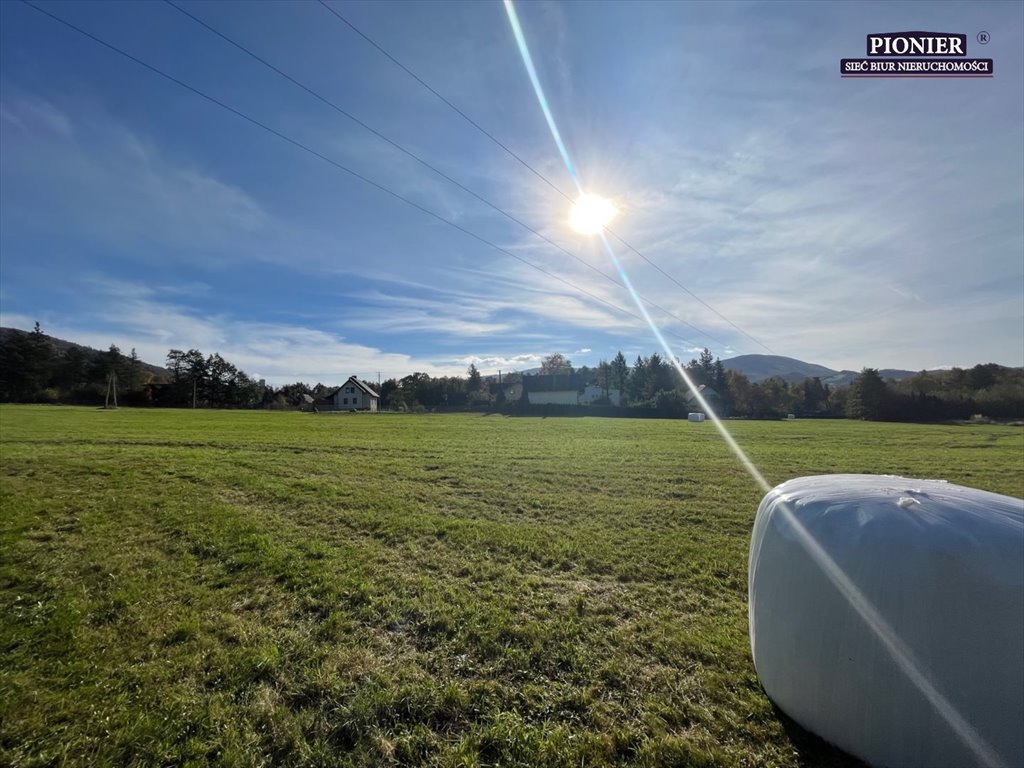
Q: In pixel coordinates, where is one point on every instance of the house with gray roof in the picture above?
(353, 395)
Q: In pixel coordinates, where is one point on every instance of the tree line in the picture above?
(208, 382)
(989, 390)
(654, 384)
(32, 369)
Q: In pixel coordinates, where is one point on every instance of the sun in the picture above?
(591, 214)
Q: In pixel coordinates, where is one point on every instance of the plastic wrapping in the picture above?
(887, 616)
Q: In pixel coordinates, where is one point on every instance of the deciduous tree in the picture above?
(555, 363)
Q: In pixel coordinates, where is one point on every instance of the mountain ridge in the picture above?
(62, 345)
(790, 369)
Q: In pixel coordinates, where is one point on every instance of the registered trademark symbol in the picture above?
(983, 38)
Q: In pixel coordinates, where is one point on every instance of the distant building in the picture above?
(565, 389)
(353, 395)
(553, 389)
(710, 395)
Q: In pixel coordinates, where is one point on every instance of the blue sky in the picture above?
(845, 222)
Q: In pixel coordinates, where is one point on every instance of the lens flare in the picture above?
(591, 214)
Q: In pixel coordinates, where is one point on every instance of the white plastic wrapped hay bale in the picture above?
(887, 616)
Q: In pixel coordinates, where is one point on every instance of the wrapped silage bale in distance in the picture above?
(887, 616)
(696, 417)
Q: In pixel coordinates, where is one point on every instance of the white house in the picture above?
(553, 389)
(710, 395)
(554, 397)
(353, 395)
(565, 389)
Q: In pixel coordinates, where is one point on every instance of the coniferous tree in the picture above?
(636, 385)
(604, 377)
(474, 379)
(133, 369)
(619, 372)
(867, 396)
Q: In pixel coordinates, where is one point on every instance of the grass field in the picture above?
(240, 588)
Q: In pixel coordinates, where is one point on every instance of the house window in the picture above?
(351, 390)
(345, 401)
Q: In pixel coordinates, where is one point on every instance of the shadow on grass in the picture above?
(812, 750)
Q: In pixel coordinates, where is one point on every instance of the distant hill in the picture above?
(761, 367)
(526, 372)
(61, 345)
(895, 373)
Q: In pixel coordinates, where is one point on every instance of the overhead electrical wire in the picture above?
(337, 108)
(334, 163)
(535, 172)
(465, 117)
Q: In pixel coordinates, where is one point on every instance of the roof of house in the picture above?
(362, 385)
(351, 380)
(555, 382)
(705, 392)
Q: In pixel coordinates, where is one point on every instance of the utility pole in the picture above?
(111, 388)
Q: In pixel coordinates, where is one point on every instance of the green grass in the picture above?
(238, 588)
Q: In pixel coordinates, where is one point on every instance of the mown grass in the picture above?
(185, 588)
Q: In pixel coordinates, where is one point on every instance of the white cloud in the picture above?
(446, 312)
(107, 182)
(491, 364)
(32, 113)
(134, 316)
(404, 175)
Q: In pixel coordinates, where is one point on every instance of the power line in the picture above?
(333, 105)
(336, 164)
(687, 290)
(533, 170)
(466, 117)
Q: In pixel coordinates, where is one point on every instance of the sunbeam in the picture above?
(524, 51)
